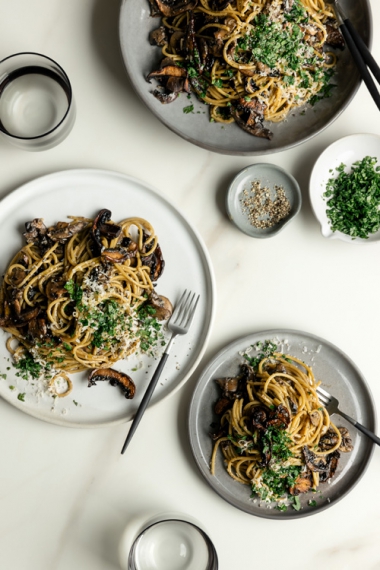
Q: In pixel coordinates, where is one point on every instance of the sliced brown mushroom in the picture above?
(156, 263)
(162, 306)
(34, 230)
(302, 484)
(346, 445)
(325, 466)
(333, 460)
(63, 231)
(279, 418)
(165, 97)
(115, 378)
(55, 288)
(116, 255)
(158, 37)
(249, 116)
(222, 405)
(328, 440)
(102, 218)
(168, 71)
(172, 8)
(229, 385)
(315, 417)
(334, 37)
(15, 302)
(37, 329)
(17, 276)
(259, 417)
(27, 316)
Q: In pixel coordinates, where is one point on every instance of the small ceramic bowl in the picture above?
(269, 175)
(347, 151)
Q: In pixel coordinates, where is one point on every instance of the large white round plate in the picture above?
(84, 193)
(345, 151)
(338, 375)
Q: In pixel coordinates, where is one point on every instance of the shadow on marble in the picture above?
(105, 32)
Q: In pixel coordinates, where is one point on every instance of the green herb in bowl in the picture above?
(353, 199)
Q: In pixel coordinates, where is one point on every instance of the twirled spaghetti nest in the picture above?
(80, 294)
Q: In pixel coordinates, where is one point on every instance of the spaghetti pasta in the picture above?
(80, 295)
(274, 433)
(248, 60)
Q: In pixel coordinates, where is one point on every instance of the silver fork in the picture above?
(179, 324)
(332, 406)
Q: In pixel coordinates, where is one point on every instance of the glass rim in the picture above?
(70, 96)
(213, 557)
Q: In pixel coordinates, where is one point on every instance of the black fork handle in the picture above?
(146, 399)
(361, 428)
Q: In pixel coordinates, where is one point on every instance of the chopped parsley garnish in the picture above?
(267, 349)
(28, 368)
(12, 387)
(296, 503)
(150, 329)
(278, 441)
(188, 109)
(353, 199)
(312, 503)
(75, 292)
(21, 397)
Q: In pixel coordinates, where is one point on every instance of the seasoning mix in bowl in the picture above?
(345, 189)
(262, 200)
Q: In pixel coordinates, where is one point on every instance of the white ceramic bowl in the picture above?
(347, 151)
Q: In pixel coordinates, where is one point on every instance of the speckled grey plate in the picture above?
(269, 175)
(141, 58)
(339, 376)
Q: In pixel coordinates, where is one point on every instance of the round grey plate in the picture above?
(269, 175)
(141, 58)
(339, 376)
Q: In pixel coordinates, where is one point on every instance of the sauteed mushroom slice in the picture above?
(279, 418)
(249, 116)
(171, 8)
(333, 460)
(17, 276)
(162, 306)
(325, 466)
(158, 37)
(222, 405)
(117, 254)
(328, 440)
(229, 385)
(55, 289)
(259, 417)
(63, 231)
(346, 445)
(165, 97)
(34, 230)
(156, 263)
(302, 485)
(115, 378)
(103, 217)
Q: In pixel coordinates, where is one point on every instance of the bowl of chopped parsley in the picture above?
(345, 189)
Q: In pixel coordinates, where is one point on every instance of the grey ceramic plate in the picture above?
(269, 175)
(339, 376)
(141, 58)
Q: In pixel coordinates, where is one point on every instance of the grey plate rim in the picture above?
(233, 188)
(206, 374)
(231, 152)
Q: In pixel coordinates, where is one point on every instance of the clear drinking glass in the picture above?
(37, 109)
(168, 542)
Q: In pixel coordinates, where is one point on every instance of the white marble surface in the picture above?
(67, 494)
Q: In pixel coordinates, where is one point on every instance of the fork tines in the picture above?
(184, 311)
